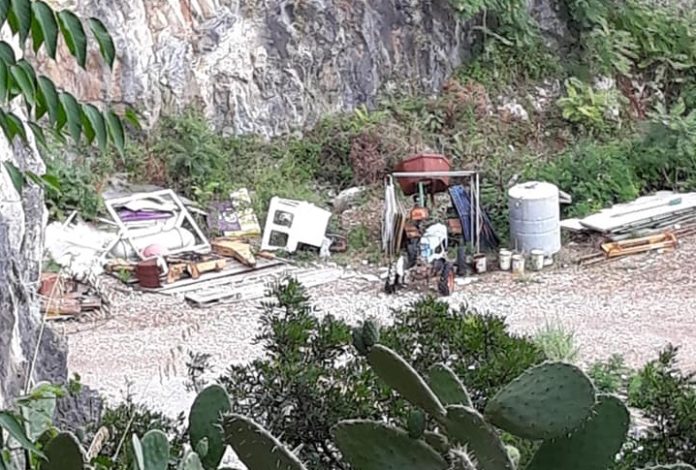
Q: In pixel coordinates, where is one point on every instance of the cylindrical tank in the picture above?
(535, 218)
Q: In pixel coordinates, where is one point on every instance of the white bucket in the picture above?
(517, 264)
(536, 260)
(480, 263)
(505, 260)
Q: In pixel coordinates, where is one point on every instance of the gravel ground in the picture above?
(633, 306)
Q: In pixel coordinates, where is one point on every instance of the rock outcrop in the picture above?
(22, 220)
(267, 66)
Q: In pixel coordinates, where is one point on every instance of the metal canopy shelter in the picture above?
(474, 188)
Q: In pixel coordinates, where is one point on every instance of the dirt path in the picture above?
(633, 306)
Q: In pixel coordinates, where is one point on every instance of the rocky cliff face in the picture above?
(267, 66)
(21, 231)
(272, 66)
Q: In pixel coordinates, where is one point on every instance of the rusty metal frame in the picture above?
(474, 188)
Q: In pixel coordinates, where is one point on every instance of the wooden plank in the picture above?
(252, 291)
(236, 280)
(642, 210)
(233, 270)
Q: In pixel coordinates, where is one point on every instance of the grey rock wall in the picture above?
(268, 66)
(273, 66)
(21, 229)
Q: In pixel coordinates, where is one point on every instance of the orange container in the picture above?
(424, 163)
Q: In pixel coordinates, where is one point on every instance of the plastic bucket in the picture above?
(480, 263)
(505, 260)
(536, 260)
(517, 264)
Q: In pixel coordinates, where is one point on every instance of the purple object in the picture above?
(223, 217)
(127, 215)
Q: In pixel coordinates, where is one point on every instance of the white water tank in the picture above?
(535, 217)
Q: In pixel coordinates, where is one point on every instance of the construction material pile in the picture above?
(646, 216)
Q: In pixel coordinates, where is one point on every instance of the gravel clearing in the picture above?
(633, 306)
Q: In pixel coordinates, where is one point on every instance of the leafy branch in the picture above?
(48, 107)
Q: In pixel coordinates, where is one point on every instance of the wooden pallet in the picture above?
(256, 287)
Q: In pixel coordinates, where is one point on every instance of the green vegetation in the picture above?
(557, 343)
(47, 108)
(475, 396)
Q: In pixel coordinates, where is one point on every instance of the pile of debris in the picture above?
(63, 297)
(153, 241)
(646, 224)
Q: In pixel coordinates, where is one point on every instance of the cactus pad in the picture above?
(591, 447)
(191, 461)
(437, 441)
(546, 401)
(400, 376)
(358, 341)
(514, 455)
(63, 452)
(416, 424)
(371, 445)
(461, 460)
(204, 422)
(447, 386)
(675, 466)
(38, 410)
(467, 427)
(155, 450)
(256, 447)
(370, 333)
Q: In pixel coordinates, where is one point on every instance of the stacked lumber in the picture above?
(646, 216)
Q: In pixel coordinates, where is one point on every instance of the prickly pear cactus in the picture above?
(202, 447)
(593, 446)
(447, 386)
(256, 447)
(400, 376)
(437, 441)
(676, 466)
(466, 427)
(204, 423)
(63, 452)
(461, 460)
(155, 450)
(370, 333)
(358, 341)
(191, 461)
(416, 424)
(514, 455)
(38, 410)
(137, 448)
(371, 445)
(546, 401)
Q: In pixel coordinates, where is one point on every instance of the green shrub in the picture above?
(592, 110)
(557, 343)
(80, 186)
(666, 157)
(596, 175)
(128, 418)
(610, 376)
(484, 354)
(311, 378)
(666, 397)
